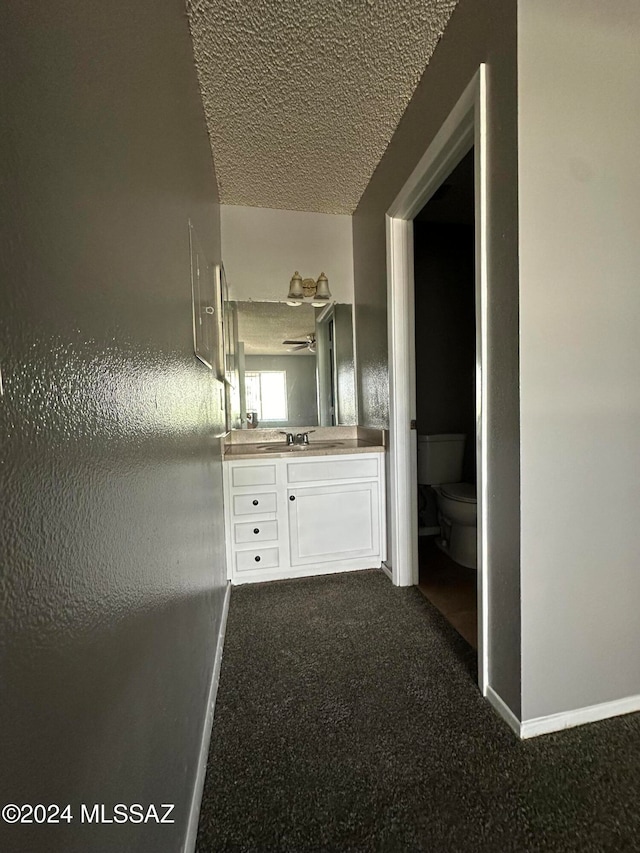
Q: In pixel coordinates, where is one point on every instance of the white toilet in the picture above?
(440, 466)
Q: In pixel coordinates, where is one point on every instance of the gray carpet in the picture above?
(348, 719)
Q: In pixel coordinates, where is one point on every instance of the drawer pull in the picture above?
(252, 504)
(258, 559)
(253, 530)
(292, 497)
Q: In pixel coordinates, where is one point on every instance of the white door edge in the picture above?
(466, 126)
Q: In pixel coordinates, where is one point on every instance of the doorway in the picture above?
(464, 129)
(326, 366)
(445, 345)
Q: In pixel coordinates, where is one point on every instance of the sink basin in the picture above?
(294, 448)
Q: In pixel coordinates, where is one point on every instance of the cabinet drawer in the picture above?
(253, 475)
(254, 504)
(257, 558)
(365, 467)
(255, 531)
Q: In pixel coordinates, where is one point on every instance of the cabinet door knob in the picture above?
(256, 530)
(292, 497)
(257, 559)
(255, 503)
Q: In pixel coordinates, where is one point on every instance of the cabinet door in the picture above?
(329, 523)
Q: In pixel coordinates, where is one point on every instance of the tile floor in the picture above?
(449, 587)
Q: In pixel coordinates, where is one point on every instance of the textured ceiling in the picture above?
(263, 326)
(302, 97)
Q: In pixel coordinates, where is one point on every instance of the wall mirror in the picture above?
(289, 366)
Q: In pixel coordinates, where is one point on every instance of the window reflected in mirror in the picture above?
(266, 395)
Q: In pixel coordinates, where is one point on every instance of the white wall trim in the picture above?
(196, 800)
(466, 126)
(564, 720)
(498, 703)
(481, 172)
(387, 570)
(578, 717)
(402, 403)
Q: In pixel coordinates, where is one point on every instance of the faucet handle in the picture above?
(305, 436)
(289, 436)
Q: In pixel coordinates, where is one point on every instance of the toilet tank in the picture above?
(440, 458)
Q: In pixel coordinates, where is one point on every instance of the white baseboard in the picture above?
(569, 719)
(387, 570)
(565, 719)
(498, 703)
(196, 800)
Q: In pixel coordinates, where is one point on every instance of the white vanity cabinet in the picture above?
(297, 516)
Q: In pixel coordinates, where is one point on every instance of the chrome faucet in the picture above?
(300, 438)
(303, 437)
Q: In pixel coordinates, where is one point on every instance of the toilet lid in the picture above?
(465, 492)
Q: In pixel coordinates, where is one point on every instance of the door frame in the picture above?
(326, 368)
(465, 127)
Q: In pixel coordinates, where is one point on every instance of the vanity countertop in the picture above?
(279, 450)
(323, 441)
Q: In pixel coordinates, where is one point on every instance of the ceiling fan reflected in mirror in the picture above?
(308, 343)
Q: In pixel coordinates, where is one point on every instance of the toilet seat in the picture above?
(464, 492)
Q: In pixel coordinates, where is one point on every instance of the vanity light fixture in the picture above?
(300, 289)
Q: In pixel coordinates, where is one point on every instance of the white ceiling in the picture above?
(302, 97)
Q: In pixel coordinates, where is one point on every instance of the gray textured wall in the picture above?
(302, 395)
(111, 542)
(579, 113)
(345, 367)
(477, 32)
